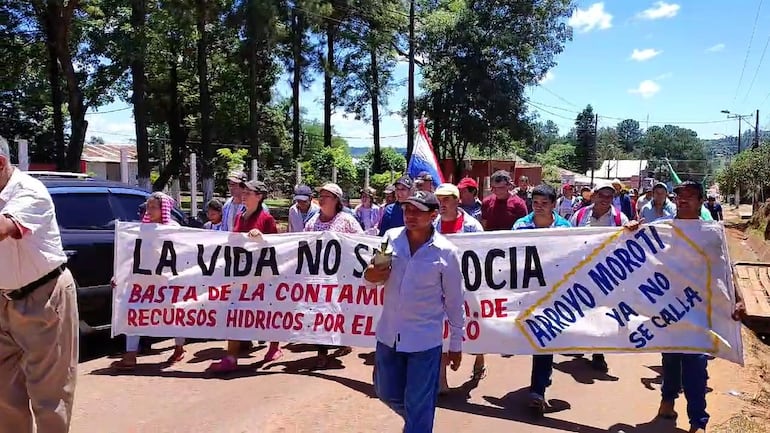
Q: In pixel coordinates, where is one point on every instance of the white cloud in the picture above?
(645, 54)
(549, 76)
(660, 10)
(646, 89)
(715, 48)
(595, 17)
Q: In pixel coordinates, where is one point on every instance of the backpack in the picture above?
(582, 212)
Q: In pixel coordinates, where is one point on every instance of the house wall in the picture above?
(111, 171)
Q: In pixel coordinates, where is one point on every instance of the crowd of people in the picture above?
(38, 299)
(417, 212)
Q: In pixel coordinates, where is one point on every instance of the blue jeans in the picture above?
(687, 371)
(542, 368)
(408, 384)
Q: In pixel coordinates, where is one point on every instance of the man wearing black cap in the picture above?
(423, 285)
(426, 182)
(393, 215)
(688, 371)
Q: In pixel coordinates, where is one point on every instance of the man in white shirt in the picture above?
(38, 309)
(423, 284)
(644, 198)
(601, 213)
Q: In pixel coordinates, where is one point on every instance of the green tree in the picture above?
(608, 147)
(559, 155)
(369, 62)
(585, 139)
(321, 168)
(477, 95)
(391, 161)
(630, 135)
(681, 146)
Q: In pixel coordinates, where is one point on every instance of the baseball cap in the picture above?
(332, 188)
(690, 184)
(302, 193)
(425, 176)
(660, 185)
(501, 176)
(405, 181)
(585, 188)
(566, 186)
(255, 185)
(467, 182)
(237, 176)
(447, 189)
(603, 185)
(646, 189)
(423, 200)
(390, 189)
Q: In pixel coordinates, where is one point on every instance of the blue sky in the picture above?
(678, 62)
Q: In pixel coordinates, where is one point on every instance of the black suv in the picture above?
(86, 210)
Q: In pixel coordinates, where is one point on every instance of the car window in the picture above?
(83, 211)
(127, 206)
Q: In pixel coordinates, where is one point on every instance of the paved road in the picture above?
(285, 397)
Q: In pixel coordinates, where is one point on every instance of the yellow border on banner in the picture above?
(590, 257)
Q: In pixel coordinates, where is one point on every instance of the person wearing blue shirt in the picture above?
(714, 208)
(411, 326)
(688, 371)
(543, 215)
(660, 207)
(393, 215)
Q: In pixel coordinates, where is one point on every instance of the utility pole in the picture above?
(756, 132)
(593, 147)
(740, 117)
(410, 97)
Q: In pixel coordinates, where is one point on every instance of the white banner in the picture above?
(665, 288)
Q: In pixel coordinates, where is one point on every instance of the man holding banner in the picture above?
(543, 216)
(602, 213)
(688, 371)
(423, 285)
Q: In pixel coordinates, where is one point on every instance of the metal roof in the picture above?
(107, 152)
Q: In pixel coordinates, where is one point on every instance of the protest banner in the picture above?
(664, 288)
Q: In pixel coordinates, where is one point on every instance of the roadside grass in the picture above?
(754, 418)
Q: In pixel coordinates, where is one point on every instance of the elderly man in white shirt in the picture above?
(38, 309)
(423, 284)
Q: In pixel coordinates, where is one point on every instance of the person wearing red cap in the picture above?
(469, 197)
(566, 202)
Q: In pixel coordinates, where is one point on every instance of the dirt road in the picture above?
(285, 397)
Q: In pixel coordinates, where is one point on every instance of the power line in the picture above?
(660, 122)
(756, 71)
(110, 111)
(748, 50)
(557, 96)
